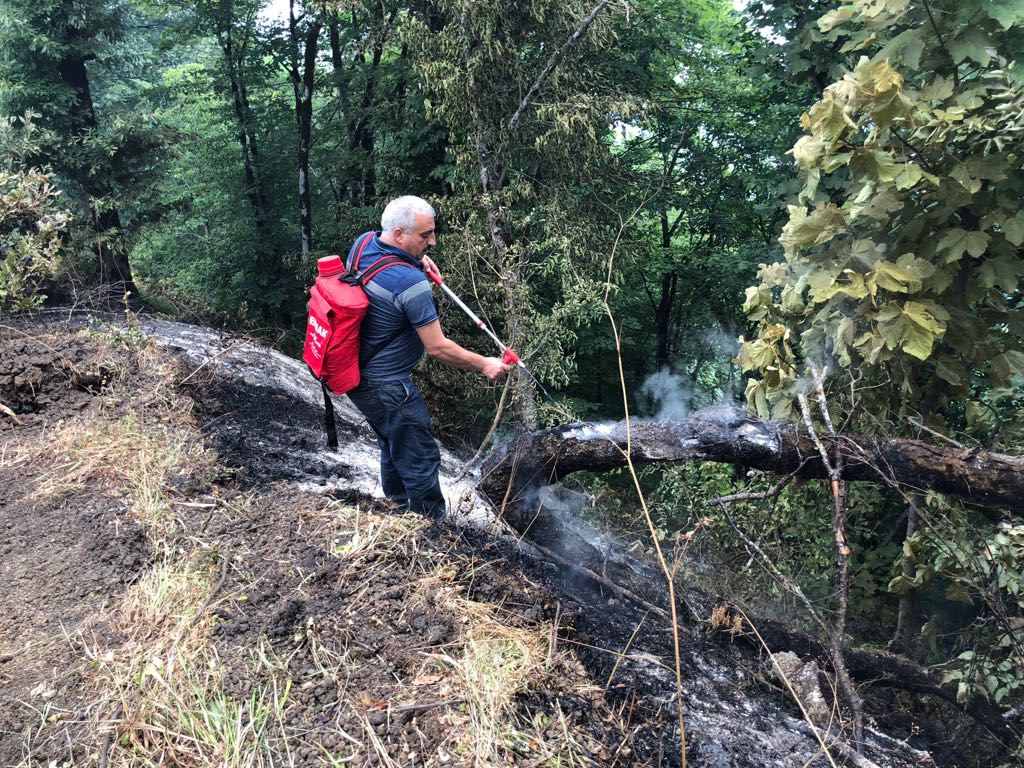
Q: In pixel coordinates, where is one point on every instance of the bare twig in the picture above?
(205, 363)
(628, 455)
(805, 410)
(554, 61)
(625, 650)
(934, 433)
(769, 565)
(771, 493)
(428, 705)
(7, 411)
(499, 412)
(604, 582)
(792, 691)
(842, 549)
(213, 592)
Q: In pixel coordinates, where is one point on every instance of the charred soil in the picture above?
(172, 595)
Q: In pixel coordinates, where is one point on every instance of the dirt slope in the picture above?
(174, 594)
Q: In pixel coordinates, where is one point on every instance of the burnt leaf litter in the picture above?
(357, 624)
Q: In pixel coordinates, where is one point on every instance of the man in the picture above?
(400, 323)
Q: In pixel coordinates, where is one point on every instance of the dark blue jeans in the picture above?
(409, 457)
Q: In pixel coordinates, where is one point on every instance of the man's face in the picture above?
(419, 239)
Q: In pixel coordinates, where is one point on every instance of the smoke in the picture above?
(714, 378)
(561, 525)
(668, 395)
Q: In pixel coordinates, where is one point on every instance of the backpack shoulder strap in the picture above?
(379, 266)
(371, 272)
(354, 266)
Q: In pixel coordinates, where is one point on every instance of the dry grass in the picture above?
(123, 457)
(355, 535)
(160, 691)
(129, 457)
(136, 435)
(480, 673)
(493, 664)
(163, 688)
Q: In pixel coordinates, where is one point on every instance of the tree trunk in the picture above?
(360, 184)
(303, 83)
(492, 181)
(908, 621)
(988, 480)
(243, 115)
(111, 253)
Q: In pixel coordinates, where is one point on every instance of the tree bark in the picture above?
(908, 621)
(360, 170)
(233, 59)
(492, 181)
(988, 480)
(303, 82)
(111, 253)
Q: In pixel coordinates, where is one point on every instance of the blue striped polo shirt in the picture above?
(401, 301)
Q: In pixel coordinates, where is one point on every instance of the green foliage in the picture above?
(983, 571)
(204, 251)
(32, 217)
(56, 57)
(902, 255)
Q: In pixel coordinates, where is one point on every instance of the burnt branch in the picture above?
(988, 480)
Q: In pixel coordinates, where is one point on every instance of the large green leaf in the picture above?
(1001, 271)
(874, 164)
(955, 242)
(1008, 364)
(912, 327)
(972, 44)
(1013, 228)
(1006, 12)
(895, 278)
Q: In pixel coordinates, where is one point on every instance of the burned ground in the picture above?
(174, 593)
(341, 629)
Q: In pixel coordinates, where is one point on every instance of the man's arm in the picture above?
(447, 351)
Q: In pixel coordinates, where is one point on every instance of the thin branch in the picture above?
(769, 565)
(942, 42)
(554, 61)
(805, 409)
(920, 425)
(593, 575)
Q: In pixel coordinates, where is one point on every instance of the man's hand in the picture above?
(493, 368)
(431, 268)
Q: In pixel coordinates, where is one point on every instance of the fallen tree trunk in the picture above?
(513, 469)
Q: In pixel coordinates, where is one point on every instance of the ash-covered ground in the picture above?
(355, 625)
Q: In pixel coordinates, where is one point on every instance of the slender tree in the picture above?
(510, 82)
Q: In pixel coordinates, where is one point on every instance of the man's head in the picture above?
(408, 222)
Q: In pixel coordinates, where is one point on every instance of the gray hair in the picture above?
(401, 213)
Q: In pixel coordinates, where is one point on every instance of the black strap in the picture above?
(377, 267)
(332, 429)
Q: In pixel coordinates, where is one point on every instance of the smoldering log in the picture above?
(981, 478)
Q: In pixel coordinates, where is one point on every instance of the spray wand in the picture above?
(508, 355)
